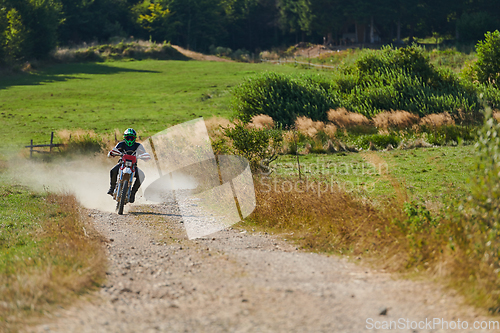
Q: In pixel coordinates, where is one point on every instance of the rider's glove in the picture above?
(114, 152)
(145, 157)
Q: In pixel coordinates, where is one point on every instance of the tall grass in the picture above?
(82, 142)
(320, 216)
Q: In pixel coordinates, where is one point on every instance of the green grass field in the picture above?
(148, 95)
(427, 174)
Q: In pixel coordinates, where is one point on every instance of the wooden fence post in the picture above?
(31, 149)
(51, 141)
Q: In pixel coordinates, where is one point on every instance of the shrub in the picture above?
(401, 79)
(488, 52)
(489, 94)
(411, 60)
(283, 98)
(474, 232)
(259, 147)
(378, 81)
(485, 195)
(241, 55)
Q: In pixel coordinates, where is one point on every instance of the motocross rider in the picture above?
(130, 146)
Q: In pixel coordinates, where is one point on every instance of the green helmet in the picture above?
(129, 136)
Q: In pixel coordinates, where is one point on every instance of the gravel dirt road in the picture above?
(234, 281)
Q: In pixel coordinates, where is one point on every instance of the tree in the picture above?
(14, 36)
(40, 19)
(197, 23)
(295, 16)
(3, 29)
(252, 24)
(89, 20)
(487, 66)
(328, 17)
(156, 22)
(472, 27)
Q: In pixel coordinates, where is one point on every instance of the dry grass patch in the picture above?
(261, 121)
(47, 257)
(395, 120)
(308, 127)
(215, 125)
(345, 119)
(321, 217)
(331, 130)
(496, 115)
(437, 120)
(81, 141)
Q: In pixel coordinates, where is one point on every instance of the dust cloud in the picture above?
(86, 177)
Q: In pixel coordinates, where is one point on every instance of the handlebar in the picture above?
(116, 152)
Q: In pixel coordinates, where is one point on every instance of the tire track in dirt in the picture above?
(233, 281)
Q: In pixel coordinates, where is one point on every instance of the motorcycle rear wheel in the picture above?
(123, 197)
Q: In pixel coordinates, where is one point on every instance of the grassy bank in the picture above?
(48, 254)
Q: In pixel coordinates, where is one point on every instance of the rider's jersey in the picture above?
(136, 148)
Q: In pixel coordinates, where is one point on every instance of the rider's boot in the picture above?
(111, 189)
(135, 188)
(113, 175)
(132, 197)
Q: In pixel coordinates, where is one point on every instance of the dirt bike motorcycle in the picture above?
(125, 178)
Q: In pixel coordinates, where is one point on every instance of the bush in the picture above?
(401, 79)
(220, 51)
(485, 195)
(259, 147)
(487, 66)
(411, 60)
(475, 229)
(283, 98)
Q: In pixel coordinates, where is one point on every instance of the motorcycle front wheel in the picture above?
(123, 197)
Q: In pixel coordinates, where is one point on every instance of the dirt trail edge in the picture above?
(232, 281)
(199, 56)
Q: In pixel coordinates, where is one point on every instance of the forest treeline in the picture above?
(31, 29)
